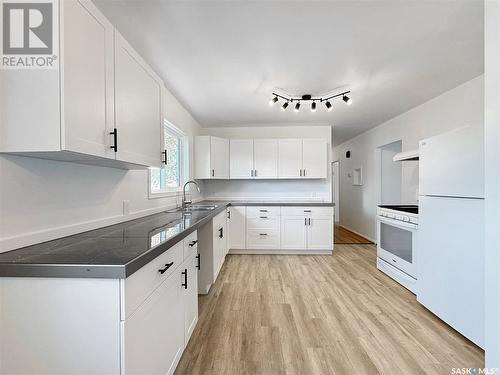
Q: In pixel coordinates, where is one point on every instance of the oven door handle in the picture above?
(398, 223)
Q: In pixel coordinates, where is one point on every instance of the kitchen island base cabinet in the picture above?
(84, 326)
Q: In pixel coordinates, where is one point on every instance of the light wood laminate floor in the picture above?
(279, 314)
(345, 236)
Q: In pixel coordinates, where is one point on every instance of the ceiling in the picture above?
(222, 59)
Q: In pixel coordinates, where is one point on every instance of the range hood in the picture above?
(405, 156)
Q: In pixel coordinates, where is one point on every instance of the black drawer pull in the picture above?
(199, 262)
(167, 266)
(193, 243)
(262, 234)
(185, 283)
(221, 232)
(262, 217)
(307, 210)
(262, 210)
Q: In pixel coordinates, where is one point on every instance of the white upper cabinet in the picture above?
(265, 158)
(138, 108)
(88, 80)
(290, 158)
(241, 158)
(303, 158)
(314, 158)
(211, 157)
(100, 84)
(253, 158)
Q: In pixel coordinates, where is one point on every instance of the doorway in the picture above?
(342, 235)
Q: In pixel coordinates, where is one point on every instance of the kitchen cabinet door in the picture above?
(220, 242)
(88, 80)
(138, 109)
(320, 233)
(190, 296)
(237, 227)
(265, 158)
(293, 232)
(154, 333)
(289, 158)
(219, 157)
(241, 158)
(314, 158)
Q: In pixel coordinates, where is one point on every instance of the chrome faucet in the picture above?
(186, 202)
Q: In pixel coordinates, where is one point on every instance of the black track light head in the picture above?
(313, 107)
(346, 99)
(273, 100)
(283, 107)
(329, 106)
(297, 106)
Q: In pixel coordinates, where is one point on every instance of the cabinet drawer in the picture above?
(255, 212)
(263, 221)
(297, 211)
(142, 283)
(190, 244)
(263, 239)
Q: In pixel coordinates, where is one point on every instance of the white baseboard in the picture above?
(359, 234)
(279, 252)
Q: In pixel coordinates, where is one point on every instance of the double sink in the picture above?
(195, 207)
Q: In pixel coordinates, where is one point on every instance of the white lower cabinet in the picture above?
(236, 227)
(137, 325)
(154, 333)
(190, 297)
(212, 248)
(291, 229)
(293, 232)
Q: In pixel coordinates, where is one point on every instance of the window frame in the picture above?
(183, 162)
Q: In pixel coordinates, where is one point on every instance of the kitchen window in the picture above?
(169, 179)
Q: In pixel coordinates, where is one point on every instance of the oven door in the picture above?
(397, 244)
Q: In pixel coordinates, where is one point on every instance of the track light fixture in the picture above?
(307, 97)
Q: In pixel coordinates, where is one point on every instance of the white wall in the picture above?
(42, 200)
(272, 189)
(492, 183)
(457, 107)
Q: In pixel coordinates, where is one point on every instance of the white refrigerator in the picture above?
(451, 229)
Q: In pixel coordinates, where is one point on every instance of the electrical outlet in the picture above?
(126, 207)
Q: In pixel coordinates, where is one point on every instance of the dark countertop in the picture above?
(116, 251)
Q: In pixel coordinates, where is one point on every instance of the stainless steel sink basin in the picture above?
(201, 207)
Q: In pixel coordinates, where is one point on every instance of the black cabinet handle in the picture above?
(185, 283)
(262, 217)
(305, 221)
(262, 210)
(221, 232)
(309, 221)
(304, 173)
(262, 234)
(114, 133)
(193, 243)
(307, 210)
(164, 157)
(229, 214)
(199, 262)
(213, 172)
(167, 266)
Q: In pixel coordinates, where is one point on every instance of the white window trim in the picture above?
(184, 151)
